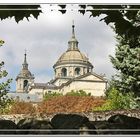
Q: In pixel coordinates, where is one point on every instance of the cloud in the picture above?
(47, 38)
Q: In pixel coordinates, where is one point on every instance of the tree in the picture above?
(127, 62)
(4, 86)
(116, 100)
(19, 12)
(126, 18)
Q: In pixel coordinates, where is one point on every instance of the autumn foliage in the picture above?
(22, 108)
(61, 104)
(70, 104)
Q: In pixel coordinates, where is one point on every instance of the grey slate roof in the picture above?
(44, 85)
(26, 97)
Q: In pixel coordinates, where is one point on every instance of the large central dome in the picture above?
(73, 56)
(72, 59)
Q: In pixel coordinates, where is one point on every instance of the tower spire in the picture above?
(25, 60)
(73, 43)
(73, 33)
(25, 64)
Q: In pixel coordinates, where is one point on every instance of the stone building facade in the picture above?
(73, 71)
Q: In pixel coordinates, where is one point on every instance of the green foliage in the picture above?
(116, 100)
(125, 20)
(9, 11)
(6, 105)
(1, 42)
(51, 95)
(127, 64)
(4, 88)
(78, 93)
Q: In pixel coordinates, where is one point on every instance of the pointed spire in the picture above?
(25, 61)
(25, 64)
(73, 43)
(73, 33)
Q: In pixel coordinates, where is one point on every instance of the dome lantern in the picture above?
(73, 43)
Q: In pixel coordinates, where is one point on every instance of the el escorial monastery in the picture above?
(73, 71)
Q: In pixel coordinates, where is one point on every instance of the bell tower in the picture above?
(24, 78)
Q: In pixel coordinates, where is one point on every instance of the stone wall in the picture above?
(95, 116)
(100, 116)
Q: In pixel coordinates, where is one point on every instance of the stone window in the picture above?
(25, 85)
(77, 71)
(64, 72)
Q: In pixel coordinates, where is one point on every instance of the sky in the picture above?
(46, 39)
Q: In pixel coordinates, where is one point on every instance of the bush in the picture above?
(69, 104)
(22, 108)
(78, 93)
(6, 105)
(72, 93)
(52, 95)
(5, 102)
(116, 100)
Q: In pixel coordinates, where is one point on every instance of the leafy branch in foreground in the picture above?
(4, 87)
(19, 12)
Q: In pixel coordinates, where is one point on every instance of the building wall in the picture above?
(95, 88)
(20, 84)
(90, 84)
(36, 91)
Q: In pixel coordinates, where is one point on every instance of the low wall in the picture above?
(104, 115)
(93, 116)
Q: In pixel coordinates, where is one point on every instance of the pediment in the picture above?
(91, 77)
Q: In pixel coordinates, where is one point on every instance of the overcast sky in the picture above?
(47, 38)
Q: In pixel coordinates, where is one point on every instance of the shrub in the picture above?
(116, 100)
(6, 105)
(78, 93)
(52, 95)
(5, 102)
(22, 108)
(69, 104)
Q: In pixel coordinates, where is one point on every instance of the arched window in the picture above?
(25, 85)
(64, 72)
(77, 71)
